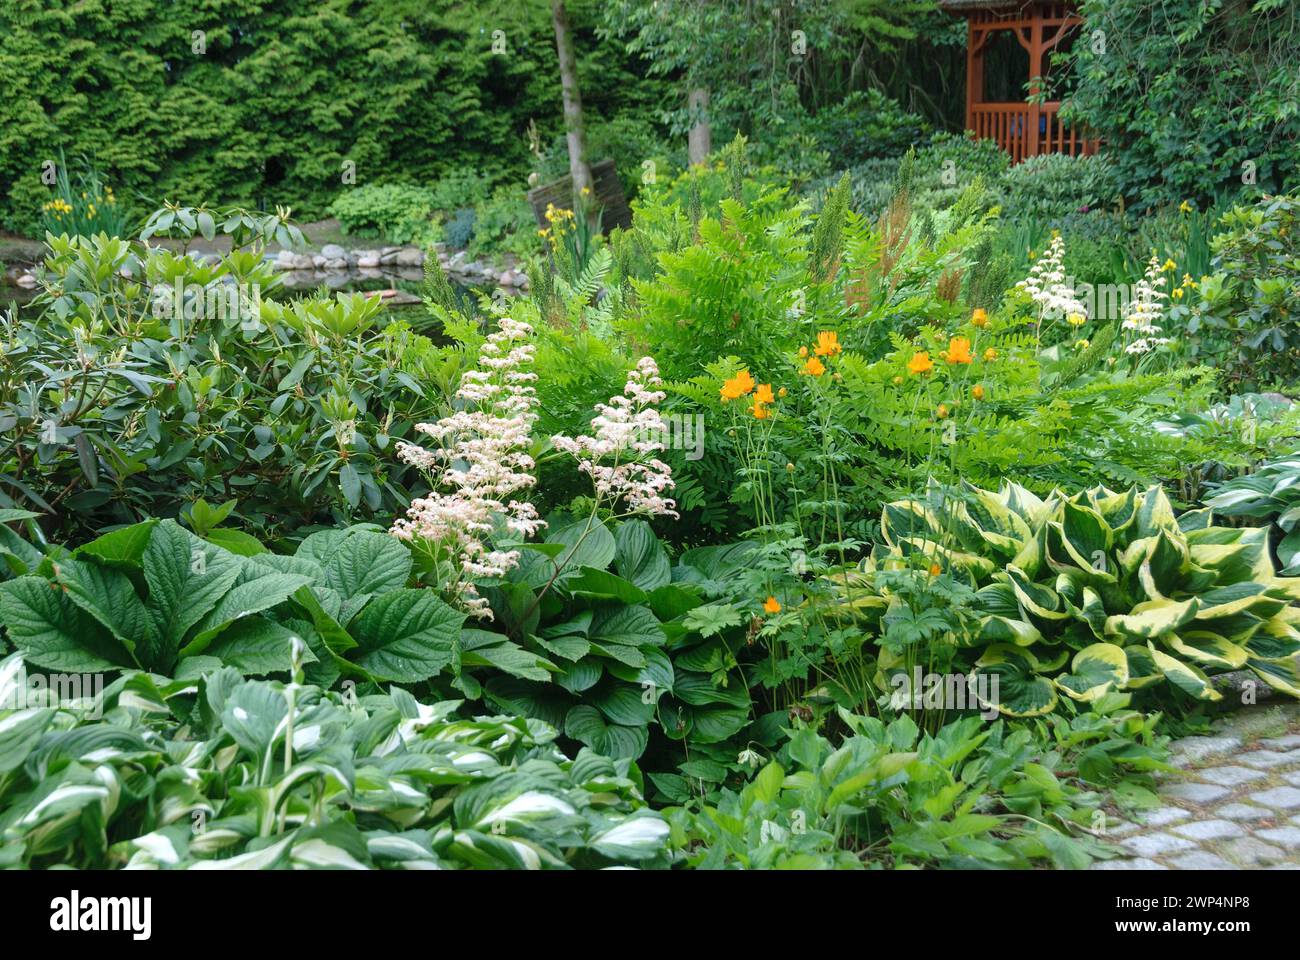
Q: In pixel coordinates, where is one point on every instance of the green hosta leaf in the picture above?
(580, 676)
(252, 715)
(1283, 675)
(1153, 618)
(406, 635)
(596, 584)
(631, 626)
(1096, 670)
(1037, 599)
(586, 725)
(639, 556)
(1013, 691)
(187, 577)
(19, 733)
(51, 631)
(1185, 676)
(1208, 648)
(623, 704)
(1142, 669)
(584, 546)
(529, 699)
(510, 658)
(657, 674)
(640, 837)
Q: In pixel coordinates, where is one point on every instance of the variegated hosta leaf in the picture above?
(1095, 670)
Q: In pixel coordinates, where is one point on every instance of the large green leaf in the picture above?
(187, 577)
(110, 597)
(358, 563)
(585, 724)
(633, 626)
(639, 556)
(256, 646)
(406, 635)
(256, 588)
(52, 631)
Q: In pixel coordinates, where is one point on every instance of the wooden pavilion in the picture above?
(1001, 36)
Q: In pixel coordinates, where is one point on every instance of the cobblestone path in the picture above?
(1236, 805)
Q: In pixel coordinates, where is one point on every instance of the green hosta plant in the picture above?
(1270, 494)
(1096, 592)
(227, 773)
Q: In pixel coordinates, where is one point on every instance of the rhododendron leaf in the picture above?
(406, 636)
(120, 547)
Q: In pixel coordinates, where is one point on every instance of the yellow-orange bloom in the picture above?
(828, 344)
(935, 569)
(942, 412)
(814, 367)
(739, 385)
(980, 317)
(782, 392)
(977, 391)
(990, 354)
(772, 605)
(803, 351)
(764, 394)
(759, 411)
(920, 363)
(897, 381)
(958, 350)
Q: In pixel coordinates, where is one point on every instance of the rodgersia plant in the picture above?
(619, 458)
(484, 461)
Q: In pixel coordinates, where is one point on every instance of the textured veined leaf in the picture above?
(51, 631)
(406, 635)
(109, 596)
(187, 577)
(256, 646)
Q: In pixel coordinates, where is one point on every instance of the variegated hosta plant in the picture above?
(222, 772)
(1080, 595)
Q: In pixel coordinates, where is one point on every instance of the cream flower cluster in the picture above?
(628, 429)
(1143, 313)
(483, 459)
(1046, 284)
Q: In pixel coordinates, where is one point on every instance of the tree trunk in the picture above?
(700, 139)
(575, 133)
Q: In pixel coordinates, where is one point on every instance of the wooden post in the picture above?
(1035, 72)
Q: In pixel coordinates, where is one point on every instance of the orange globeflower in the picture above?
(814, 367)
(803, 351)
(942, 412)
(990, 355)
(920, 363)
(759, 411)
(782, 392)
(772, 605)
(764, 394)
(980, 317)
(739, 385)
(977, 391)
(935, 569)
(828, 344)
(958, 350)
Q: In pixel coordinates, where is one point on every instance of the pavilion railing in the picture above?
(1011, 126)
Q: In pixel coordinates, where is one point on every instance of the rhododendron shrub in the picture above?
(480, 463)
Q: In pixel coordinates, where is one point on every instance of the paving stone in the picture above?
(1134, 863)
(1209, 830)
(1162, 816)
(1290, 742)
(1196, 749)
(1201, 860)
(1195, 792)
(1283, 798)
(1245, 811)
(1229, 776)
(1284, 866)
(1252, 850)
(1288, 837)
(1267, 759)
(1292, 778)
(1157, 844)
